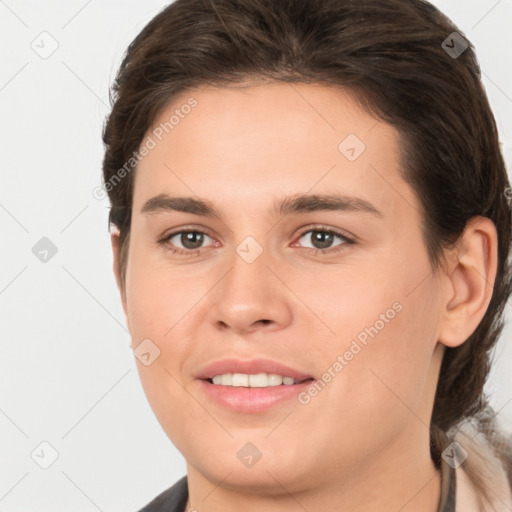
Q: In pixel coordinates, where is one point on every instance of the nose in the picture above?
(252, 296)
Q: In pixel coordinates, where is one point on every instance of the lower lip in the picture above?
(242, 399)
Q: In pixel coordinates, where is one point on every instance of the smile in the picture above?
(258, 380)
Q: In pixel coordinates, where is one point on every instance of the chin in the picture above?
(256, 466)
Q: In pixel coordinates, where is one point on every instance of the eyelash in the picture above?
(318, 228)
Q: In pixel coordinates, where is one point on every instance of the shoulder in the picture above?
(172, 499)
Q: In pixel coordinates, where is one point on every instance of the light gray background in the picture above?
(68, 376)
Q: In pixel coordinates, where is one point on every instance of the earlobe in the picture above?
(469, 281)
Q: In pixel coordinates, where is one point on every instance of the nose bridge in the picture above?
(250, 293)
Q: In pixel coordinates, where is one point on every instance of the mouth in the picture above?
(257, 380)
(251, 373)
(251, 386)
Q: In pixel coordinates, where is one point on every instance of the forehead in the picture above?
(243, 143)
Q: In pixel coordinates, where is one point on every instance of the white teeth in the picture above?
(260, 380)
(240, 379)
(226, 379)
(274, 380)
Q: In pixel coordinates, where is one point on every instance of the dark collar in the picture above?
(173, 499)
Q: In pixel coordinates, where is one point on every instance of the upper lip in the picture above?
(250, 367)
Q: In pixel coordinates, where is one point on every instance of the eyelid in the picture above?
(322, 227)
(181, 229)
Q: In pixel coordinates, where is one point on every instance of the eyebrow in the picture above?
(304, 203)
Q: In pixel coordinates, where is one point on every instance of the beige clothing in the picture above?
(491, 473)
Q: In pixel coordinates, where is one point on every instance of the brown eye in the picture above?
(185, 242)
(322, 239)
(191, 239)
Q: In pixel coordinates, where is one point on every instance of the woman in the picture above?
(311, 246)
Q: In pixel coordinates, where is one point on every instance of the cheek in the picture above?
(387, 328)
(386, 362)
(160, 302)
(158, 313)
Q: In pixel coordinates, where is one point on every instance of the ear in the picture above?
(114, 239)
(469, 281)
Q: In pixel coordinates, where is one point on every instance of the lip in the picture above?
(246, 399)
(252, 367)
(251, 400)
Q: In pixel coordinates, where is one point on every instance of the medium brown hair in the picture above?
(390, 55)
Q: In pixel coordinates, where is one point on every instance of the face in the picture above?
(283, 242)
